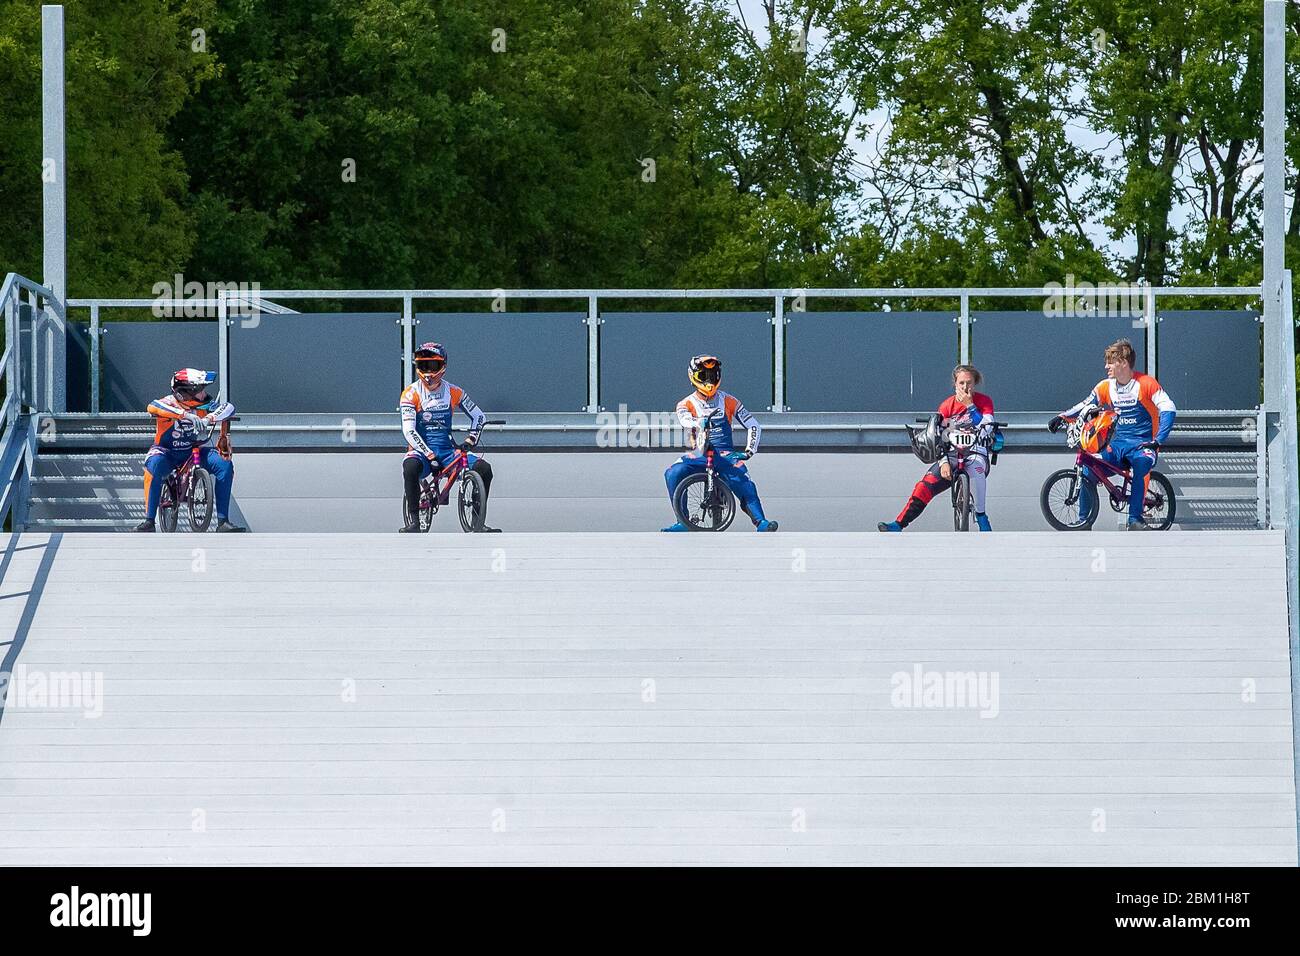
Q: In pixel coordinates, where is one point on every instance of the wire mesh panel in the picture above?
(1037, 363)
(348, 362)
(1210, 358)
(137, 359)
(513, 361)
(869, 361)
(644, 355)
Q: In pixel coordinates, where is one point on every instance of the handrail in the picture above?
(874, 293)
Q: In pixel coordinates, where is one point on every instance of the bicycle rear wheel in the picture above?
(168, 508)
(961, 502)
(1161, 504)
(425, 516)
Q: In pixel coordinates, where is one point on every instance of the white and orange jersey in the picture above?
(1144, 411)
(426, 416)
(695, 408)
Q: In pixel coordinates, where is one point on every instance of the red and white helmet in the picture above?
(190, 384)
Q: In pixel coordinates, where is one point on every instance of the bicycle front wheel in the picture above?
(472, 502)
(961, 502)
(702, 510)
(1069, 503)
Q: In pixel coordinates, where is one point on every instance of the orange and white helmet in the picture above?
(706, 374)
(1096, 432)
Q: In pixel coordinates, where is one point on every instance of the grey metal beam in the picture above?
(54, 206)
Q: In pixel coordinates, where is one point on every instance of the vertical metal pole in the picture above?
(408, 341)
(94, 358)
(12, 389)
(593, 355)
(1261, 471)
(1274, 224)
(1291, 518)
(1279, 327)
(223, 346)
(963, 329)
(54, 209)
(778, 355)
(34, 373)
(1149, 314)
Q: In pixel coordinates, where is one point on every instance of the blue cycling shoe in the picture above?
(889, 526)
(765, 525)
(983, 522)
(676, 527)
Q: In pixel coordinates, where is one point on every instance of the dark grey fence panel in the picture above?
(137, 359)
(77, 335)
(348, 362)
(513, 361)
(869, 361)
(1037, 363)
(644, 356)
(1210, 358)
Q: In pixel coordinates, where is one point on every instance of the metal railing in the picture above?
(21, 378)
(265, 301)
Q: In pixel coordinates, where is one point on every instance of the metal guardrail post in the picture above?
(94, 359)
(778, 356)
(12, 392)
(963, 329)
(223, 346)
(593, 354)
(1150, 310)
(408, 341)
(1261, 467)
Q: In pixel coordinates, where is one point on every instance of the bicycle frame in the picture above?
(1104, 471)
(429, 485)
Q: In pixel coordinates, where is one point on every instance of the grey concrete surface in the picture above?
(644, 698)
(626, 492)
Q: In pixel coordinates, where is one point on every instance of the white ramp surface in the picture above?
(797, 698)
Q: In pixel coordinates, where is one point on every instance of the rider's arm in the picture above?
(753, 430)
(477, 417)
(690, 424)
(1168, 411)
(221, 412)
(1092, 399)
(409, 431)
(165, 408)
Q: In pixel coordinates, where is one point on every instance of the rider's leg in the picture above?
(673, 476)
(1141, 461)
(223, 476)
(157, 467)
(413, 469)
(932, 483)
(977, 467)
(1084, 501)
(485, 472)
(738, 480)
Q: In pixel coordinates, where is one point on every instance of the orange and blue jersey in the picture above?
(175, 425)
(695, 408)
(426, 418)
(1144, 412)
